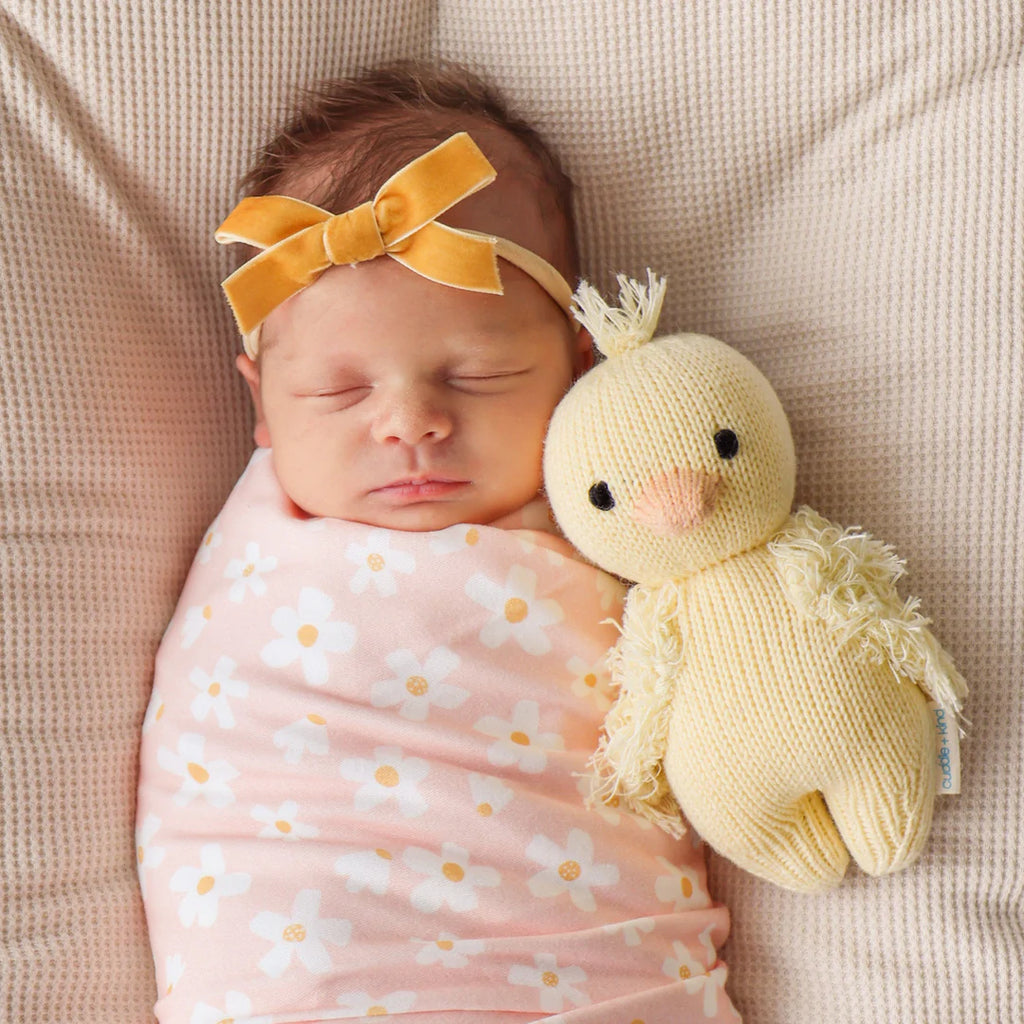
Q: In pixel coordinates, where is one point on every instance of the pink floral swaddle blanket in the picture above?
(360, 795)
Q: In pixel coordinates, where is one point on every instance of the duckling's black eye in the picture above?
(727, 443)
(601, 497)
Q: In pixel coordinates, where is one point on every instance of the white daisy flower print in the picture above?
(682, 887)
(555, 985)
(215, 690)
(490, 795)
(448, 951)
(308, 635)
(283, 823)
(461, 537)
(389, 776)
(712, 984)
(174, 968)
(212, 540)
(362, 1004)
(378, 564)
(307, 735)
(196, 620)
(237, 1006)
(366, 870)
(517, 613)
(415, 687)
(199, 776)
(633, 931)
(451, 880)
(520, 741)
(682, 964)
(147, 855)
(154, 711)
(590, 681)
(608, 808)
(570, 870)
(247, 573)
(300, 935)
(203, 887)
(612, 592)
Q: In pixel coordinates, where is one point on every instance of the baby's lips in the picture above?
(677, 501)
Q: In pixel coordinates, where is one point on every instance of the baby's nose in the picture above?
(412, 416)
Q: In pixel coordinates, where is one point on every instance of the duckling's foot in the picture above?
(884, 811)
(797, 847)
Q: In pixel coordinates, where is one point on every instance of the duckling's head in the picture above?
(671, 455)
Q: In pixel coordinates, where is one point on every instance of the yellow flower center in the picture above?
(249, 570)
(307, 635)
(386, 776)
(516, 609)
(684, 972)
(590, 680)
(204, 885)
(569, 870)
(417, 685)
(384, 855)
(160, 712)
(141, 854)
(472, 536)
(484, 810)
(294, 933)
(520, 738)
(214, 690)
(198, 772)
(446, 944)
(284, 827)
(686, 886)
(377, 1011)
(375, 562)
(550, 979)
(226, 1020)
(316, 719)
(207, 612)
(453, 872)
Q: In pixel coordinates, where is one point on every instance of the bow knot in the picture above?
(353, 236)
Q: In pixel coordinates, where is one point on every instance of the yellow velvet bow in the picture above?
(301, 241)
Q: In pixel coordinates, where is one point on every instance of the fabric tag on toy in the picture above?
(947, 750)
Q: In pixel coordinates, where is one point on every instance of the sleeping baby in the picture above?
(360, 784)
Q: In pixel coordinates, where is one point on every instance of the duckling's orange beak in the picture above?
(678, 501)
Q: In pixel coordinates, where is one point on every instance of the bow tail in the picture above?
(453, 257)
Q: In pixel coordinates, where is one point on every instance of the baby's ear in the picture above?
(250, 370)
(583, 351)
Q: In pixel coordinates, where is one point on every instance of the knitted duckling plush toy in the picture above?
(773, 686)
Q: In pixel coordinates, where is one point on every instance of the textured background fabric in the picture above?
(833, 188)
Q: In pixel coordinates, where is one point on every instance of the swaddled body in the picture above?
(359, 785)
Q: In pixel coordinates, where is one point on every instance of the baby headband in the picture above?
(300, 241)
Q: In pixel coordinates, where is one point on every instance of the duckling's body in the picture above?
(786, 747)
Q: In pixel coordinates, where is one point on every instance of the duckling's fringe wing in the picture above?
(847, 579)
(618, 329)
(626, 767)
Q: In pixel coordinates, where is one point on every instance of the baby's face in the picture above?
(391, 400)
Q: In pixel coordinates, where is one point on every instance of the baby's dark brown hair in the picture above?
(345, 137)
